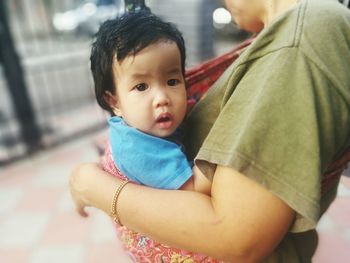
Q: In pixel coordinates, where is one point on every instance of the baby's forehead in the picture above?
(166, 53)
(153, 63)
(136, 50)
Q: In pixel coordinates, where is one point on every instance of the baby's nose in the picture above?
(161, 99)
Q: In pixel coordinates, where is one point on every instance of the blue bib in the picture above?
(147, 159)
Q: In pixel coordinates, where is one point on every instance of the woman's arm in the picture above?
(241, 221)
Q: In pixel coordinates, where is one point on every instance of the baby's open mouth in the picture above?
(164, 121)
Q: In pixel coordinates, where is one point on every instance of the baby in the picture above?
(138, 66)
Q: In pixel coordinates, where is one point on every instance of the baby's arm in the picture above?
(198, 182)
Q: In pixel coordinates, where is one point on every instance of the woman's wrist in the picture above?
(114, 208)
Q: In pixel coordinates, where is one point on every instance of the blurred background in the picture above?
(49, 122)
(45, 85)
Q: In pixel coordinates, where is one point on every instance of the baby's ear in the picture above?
(112, 101)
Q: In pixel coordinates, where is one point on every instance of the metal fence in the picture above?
(52, 40)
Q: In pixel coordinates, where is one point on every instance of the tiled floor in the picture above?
(38, 223)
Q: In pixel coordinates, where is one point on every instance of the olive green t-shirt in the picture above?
(280, 115)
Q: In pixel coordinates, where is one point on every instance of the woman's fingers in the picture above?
(74, 186)
(81, 210)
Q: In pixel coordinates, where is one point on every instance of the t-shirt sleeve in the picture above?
(277, 127)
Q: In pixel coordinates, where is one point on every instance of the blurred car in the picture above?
(88, 16)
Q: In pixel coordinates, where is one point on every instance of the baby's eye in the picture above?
(173, 82)
(141, 87)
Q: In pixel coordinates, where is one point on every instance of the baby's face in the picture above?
(151, 93)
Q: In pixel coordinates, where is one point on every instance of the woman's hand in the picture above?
(91, 186)
(76, 186)
(87, 185)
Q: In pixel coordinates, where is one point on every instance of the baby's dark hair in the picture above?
(124, 36)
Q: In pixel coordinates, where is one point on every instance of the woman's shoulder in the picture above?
(324, 33)
(326, 16)
(326, 7)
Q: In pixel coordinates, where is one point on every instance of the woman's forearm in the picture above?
(164, 215)
(232, 224)
(175, 218)
(143, 216)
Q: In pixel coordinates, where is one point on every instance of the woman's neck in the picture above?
(275, 8)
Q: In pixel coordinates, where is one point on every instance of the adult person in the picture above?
(265, 135)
